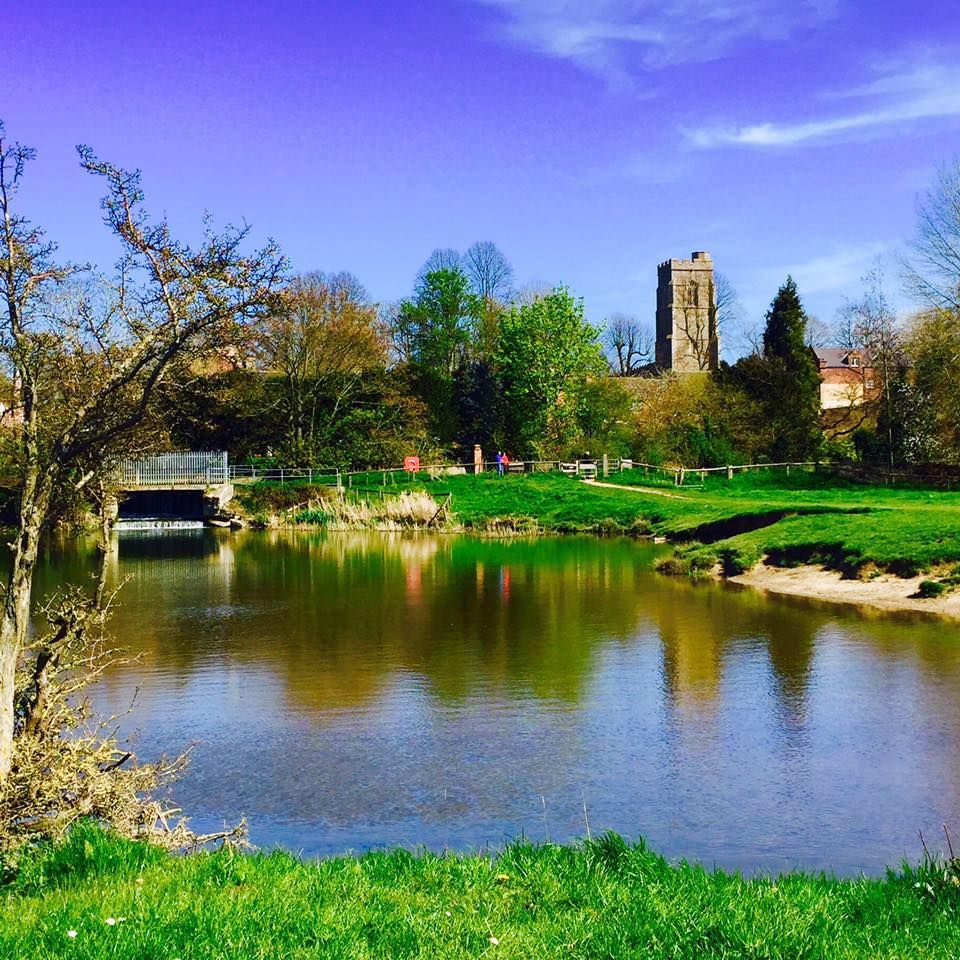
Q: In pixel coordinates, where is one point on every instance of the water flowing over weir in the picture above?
(156, 524)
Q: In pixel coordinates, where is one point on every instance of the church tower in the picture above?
(687, 339)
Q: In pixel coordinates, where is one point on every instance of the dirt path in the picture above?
(654, 490)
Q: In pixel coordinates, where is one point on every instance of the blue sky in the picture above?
(589, 140)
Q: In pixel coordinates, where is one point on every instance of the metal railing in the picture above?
(195, 468)
(188, 468)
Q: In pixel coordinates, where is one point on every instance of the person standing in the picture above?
(500, 463)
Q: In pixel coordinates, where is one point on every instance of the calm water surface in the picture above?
(352, 691)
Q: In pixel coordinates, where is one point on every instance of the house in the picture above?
(847, 377)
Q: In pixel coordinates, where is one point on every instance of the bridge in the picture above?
(184, 485)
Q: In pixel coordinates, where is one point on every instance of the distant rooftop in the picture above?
(841, 356)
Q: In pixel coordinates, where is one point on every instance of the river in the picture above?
(350, 691)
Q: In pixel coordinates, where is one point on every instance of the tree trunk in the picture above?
(103, 549)
(8, 668)
(16, 608)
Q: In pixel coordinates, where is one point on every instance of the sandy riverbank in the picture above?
(883, 592)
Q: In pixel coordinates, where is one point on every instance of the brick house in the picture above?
(847, 377)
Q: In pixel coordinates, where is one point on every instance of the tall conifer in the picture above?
(793, 394)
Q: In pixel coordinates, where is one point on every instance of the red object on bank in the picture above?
(411, 464)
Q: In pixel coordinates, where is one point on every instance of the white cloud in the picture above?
(920, 92)
(839, 270)
(609, 37)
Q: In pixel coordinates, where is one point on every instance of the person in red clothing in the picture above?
(505, 464)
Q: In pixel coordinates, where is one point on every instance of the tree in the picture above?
(339, 282)
(697, 421)
(443, 258)
(695, 312)
(869, 323)
(546, 355)
(933, 273)
(728, 306)
(436, 330)
(933, 347)
(793, 378)
(321, 342)
(630, 346)
(86, 381)
(531, 292)
(818, 333)
(489, 271)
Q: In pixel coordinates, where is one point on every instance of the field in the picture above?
(97, 896)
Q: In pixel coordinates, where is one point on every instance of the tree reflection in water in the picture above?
(357, 689)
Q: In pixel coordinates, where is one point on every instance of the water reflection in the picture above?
(355, 690)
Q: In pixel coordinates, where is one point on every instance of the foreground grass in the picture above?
(599, 899)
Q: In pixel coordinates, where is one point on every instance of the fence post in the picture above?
(729, 471)
(281, 476)
(606, 466)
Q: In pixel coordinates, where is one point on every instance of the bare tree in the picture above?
(933, 272)
(321, 342)
(845, 333)
(340, 282)
(85, 382)
(695, 312)
(531, 292)
(727, 302)
(629, 345)
(870, 323)
(443, 258)
(818, 333)
(489, 271)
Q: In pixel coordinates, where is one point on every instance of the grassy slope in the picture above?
(819, 519)
(822, 520)
(599, 899)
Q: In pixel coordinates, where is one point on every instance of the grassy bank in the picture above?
(598, 899)
(804, 518)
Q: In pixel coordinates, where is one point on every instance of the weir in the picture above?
(188, 486)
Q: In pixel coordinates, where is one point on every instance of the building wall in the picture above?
(846, 380)
(687, 340)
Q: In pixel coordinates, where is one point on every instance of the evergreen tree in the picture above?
(792, 387)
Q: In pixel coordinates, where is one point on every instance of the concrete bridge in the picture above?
(184, 485)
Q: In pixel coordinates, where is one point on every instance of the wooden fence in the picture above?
(587, 469)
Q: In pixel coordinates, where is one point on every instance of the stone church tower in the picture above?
(687, 339)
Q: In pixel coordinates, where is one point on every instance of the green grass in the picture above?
(603, 898)
(802, 518)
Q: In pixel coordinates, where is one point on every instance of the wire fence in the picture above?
(202, 468)
(588, 469)
(251, 473)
